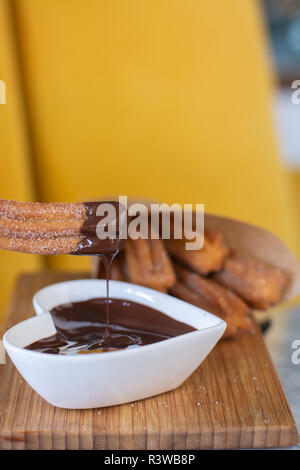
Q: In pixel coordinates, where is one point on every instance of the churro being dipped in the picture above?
(54, 228)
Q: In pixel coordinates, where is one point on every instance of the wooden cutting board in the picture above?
(233, 400)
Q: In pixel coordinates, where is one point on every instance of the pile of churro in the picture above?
(215, 278)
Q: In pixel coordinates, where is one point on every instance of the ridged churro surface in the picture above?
(208, 259)
(41, 228)
(260, 286)
(210, 296)
(148, 264)
(42, 210)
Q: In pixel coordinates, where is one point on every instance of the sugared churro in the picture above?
(148, 264)
(214, 298)
(259, 285)
(51, 228)
(210, 258)
(42, 210)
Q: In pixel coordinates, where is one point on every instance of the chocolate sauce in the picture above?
(104, 324)
(81, 327)
(113, 226)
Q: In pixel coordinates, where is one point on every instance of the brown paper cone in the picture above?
(262, 245)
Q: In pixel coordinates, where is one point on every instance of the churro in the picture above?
(204, 261)
(148, 264)
(41, 210)
(51, 228)
(207, 294)
(259, 285)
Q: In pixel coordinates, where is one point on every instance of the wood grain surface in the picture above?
(233, 400)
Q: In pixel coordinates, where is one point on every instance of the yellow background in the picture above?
(166, 99)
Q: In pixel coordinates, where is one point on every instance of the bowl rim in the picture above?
(135, 292)
(96, 356)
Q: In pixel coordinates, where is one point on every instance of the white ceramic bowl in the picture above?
(97, 380)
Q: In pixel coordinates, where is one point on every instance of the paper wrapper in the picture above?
(255, 241)
(262, 245)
